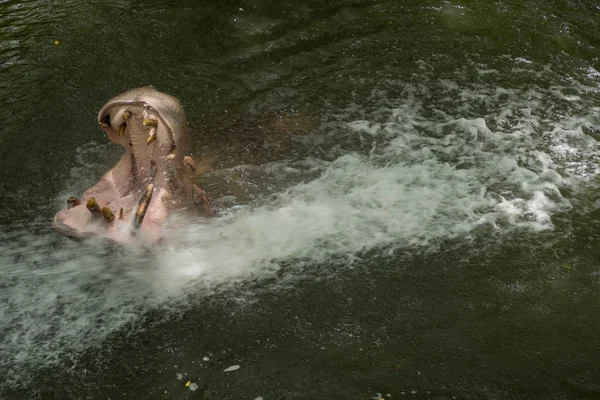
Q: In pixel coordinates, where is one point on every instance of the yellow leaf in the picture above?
(56, 42)
(188, 383)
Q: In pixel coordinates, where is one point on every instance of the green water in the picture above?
(442, 308)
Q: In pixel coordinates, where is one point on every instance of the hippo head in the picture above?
(153, 177)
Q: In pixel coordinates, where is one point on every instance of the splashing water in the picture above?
(401, 174)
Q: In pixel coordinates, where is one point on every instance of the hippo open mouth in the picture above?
(153, 178)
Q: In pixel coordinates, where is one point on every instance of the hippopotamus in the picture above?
(154, 177)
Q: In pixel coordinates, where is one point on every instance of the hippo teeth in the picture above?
(151, 139)
(107, 213)
(93, 206)
(73, 202)
(143, 206)
(105, 121)
(150, 122)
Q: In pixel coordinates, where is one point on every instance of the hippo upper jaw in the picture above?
(152, 178)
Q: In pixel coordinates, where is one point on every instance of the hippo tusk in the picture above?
(108, 214)
(150, 122)
(104, 122)
(93, 205)
(151, 139)
(143, 206)
(73, 202)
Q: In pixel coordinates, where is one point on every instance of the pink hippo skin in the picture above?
(153, 178)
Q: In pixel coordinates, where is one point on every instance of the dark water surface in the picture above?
(406, 195)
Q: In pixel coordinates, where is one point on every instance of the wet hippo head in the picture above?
(153, 177)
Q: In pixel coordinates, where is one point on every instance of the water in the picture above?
(406, 198)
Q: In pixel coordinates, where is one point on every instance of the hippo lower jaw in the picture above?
(152, 178)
